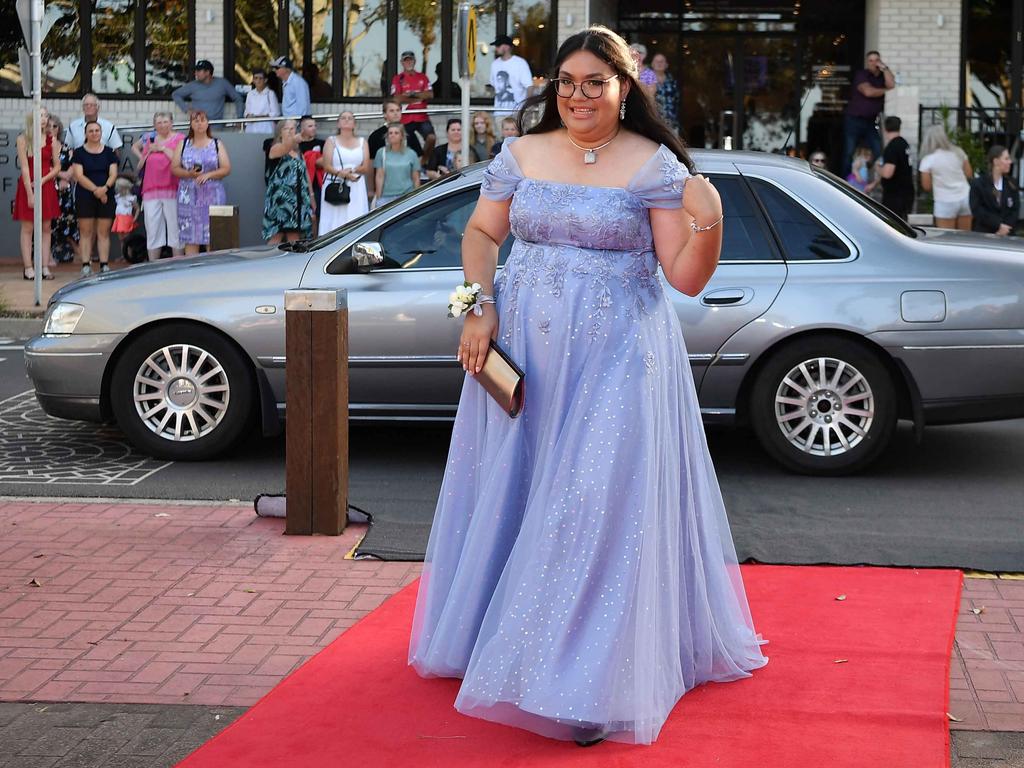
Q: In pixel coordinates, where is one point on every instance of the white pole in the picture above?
(467, 125)
(37, 154)
(465, 44)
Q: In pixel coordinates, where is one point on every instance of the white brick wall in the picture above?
(578, 10)
(924, 56)
(210, 33)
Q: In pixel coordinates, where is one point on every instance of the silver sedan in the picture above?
(827, 320)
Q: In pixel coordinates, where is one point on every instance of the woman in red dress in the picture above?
(23, 198)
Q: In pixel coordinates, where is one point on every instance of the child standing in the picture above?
(860, 171)
(126, 203)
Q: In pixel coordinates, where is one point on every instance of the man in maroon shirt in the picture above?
(412, 90)
(867, 99)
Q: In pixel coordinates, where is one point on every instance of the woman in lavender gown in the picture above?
(581, 575)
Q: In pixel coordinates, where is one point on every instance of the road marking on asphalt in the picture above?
(12, 348)
(36, 449)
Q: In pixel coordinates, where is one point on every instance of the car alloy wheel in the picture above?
(181, 392)
(824, 406)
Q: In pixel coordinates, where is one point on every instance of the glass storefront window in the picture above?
(988, 60)
(296, 26)
(113, 35)
(318, 71)
(166, 45)
(364, 47)
(255, 44)
(62, 48)
(419, 31)
(10, 40)
(486, 31)
(769, 93)
(531, 27)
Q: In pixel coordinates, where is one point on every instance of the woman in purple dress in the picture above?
(200, 161)
(581, 575)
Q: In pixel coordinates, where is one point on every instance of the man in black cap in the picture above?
(412, 90)
(510, 78)
(207, 93)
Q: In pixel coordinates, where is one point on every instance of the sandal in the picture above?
(47, 274)
(28, 273)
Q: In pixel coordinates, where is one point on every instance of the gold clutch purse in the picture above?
(503, 380)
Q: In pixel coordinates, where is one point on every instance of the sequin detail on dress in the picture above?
(580, 571)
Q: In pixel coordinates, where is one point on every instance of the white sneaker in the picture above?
(86, 270)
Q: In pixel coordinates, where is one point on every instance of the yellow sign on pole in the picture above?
(471, 42)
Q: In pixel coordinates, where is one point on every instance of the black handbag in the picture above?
(338, 193)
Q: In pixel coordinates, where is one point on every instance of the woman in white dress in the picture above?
(346, 158)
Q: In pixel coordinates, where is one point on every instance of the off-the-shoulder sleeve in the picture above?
(661, 181)
(502, 175)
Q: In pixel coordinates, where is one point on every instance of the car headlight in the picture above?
(62, 318)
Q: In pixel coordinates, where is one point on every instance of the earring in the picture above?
(622, 110)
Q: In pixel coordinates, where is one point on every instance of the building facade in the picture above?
(756, 74)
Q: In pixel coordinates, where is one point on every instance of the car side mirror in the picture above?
(367, 255)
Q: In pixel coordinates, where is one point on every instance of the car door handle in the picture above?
(726, 296)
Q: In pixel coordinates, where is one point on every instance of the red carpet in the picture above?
(358, 704)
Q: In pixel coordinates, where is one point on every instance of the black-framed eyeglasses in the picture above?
(592, 89)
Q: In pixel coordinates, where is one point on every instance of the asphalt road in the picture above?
(955, 499)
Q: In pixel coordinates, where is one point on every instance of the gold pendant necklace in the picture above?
(590, 153)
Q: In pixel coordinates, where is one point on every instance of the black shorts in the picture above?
(88, 206)
(900, 204)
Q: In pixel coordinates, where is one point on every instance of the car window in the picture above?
(804, 237)
(431, 236)
(745, 236)
(876, 208)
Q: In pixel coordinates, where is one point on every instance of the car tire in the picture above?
(832, 425)
(182, 392)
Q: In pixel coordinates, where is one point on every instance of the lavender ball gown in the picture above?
(580, 571)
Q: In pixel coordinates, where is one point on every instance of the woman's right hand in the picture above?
(477, 332)
(100, 193)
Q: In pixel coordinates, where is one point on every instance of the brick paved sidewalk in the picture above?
(168, 605)
(159, 604)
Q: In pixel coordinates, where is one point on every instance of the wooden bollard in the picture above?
(316, 438)
(224, 229)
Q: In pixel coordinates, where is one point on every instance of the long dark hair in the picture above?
(994, 153)
(641, 114)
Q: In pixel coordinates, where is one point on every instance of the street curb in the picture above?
(128, 501)
(21, 327)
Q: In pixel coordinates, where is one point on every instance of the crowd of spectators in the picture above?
(315, 185)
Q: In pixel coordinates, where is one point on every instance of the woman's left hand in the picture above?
(202, 178)
(701, 200)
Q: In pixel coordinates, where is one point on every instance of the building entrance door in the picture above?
(755, 74)
(739, 92)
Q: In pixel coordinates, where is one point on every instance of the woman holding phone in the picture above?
(200, 162)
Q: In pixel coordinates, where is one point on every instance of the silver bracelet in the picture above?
(481, 299)
(695, 228)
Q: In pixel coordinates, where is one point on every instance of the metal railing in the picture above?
(990, 126)
(240, 122)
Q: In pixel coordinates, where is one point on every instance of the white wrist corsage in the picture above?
(465, 297)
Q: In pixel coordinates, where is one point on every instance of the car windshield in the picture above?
(876, 208)
(314, 244)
